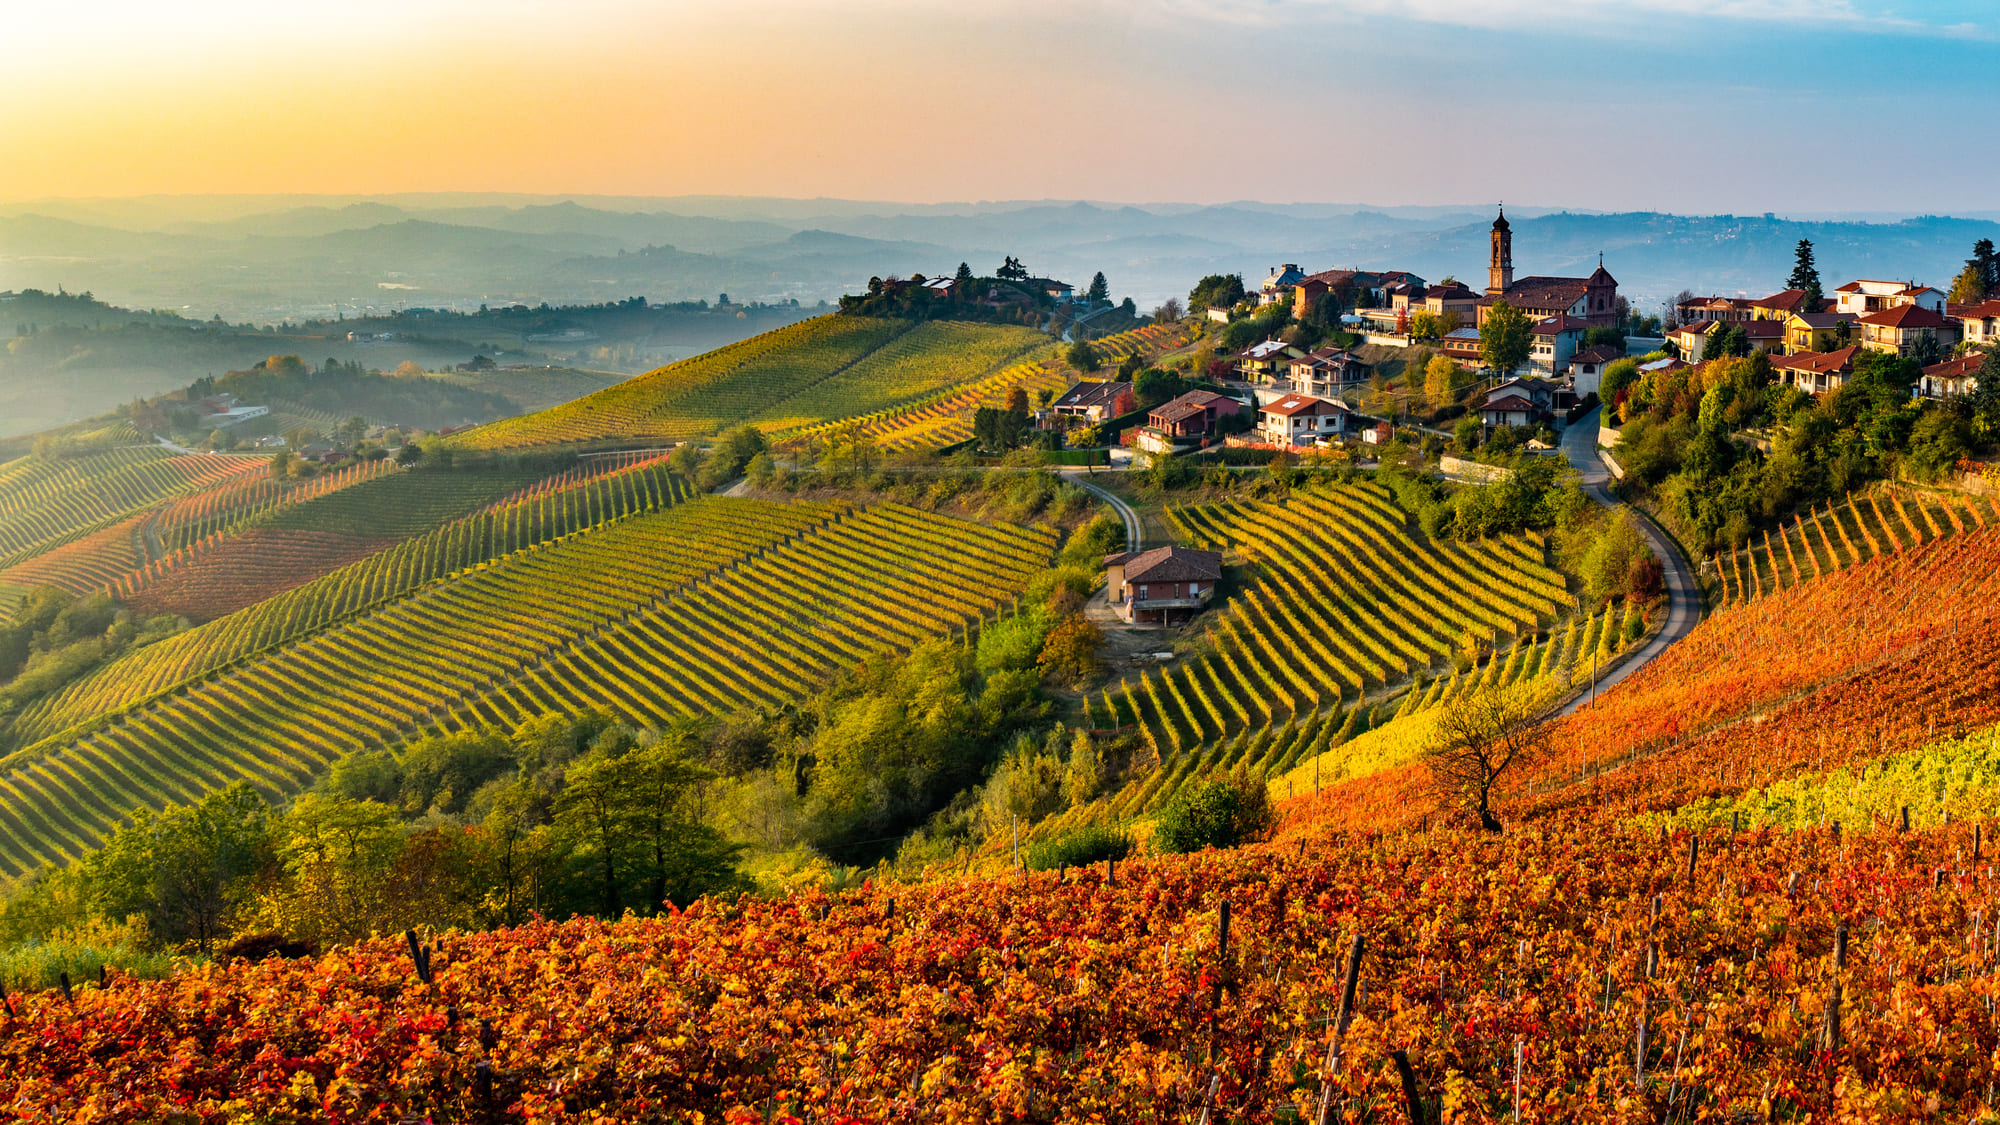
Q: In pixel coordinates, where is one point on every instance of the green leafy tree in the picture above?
(1218, 812)
(1083, 357)
(187, 870)
(1505, 338)
(1217, 290)
(1805, 275)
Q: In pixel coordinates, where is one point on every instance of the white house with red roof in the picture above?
(1979, 325)
(1302, 420)
(1953, 377)
(1859, 298)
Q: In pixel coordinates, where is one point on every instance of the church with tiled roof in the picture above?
(1593, 299)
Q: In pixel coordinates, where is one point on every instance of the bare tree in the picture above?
(1480, 741)
(1168, 312)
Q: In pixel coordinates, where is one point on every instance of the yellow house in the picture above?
(1815, 332)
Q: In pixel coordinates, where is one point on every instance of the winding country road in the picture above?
(1133, 537)
(1579, 444)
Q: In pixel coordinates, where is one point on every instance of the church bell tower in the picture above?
(1500, 271)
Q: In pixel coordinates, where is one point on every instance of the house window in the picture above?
(1142, 592)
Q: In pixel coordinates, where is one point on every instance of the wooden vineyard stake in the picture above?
(1694, 854)
(1414, 1100)
(1517, 1080)
(1831, 1039)
(1344, 1014)
(1222, 932)
(1110, 871)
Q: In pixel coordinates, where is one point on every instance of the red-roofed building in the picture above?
(1594, 299)
(1979, 324)
(1163, 584)
(1780, 305)
(1904, 330)
(1192, 415)
(1952, 377)
(1727, 310)
(1815, 372)
(1302, 420)
(1859, 298)
(1586, 368)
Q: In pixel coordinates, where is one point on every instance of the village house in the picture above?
(1093, 401)
(1302, 420)
(1586, 368)
(1859, 298)
(1262, 363)
(1979, 325)
(1357, 288)
(1906, 329)
(1953, 377)
(1520, 402)
(1816, 332)
(1278, 286)
(1325, 371)
(1815, 372)
(1592, 299)
(1725, 310)
(1690, 340)
(1556, 340)
(1061, 292)
(1461, 346)
(1781, 305)
(1187, 421)
(1163, 586)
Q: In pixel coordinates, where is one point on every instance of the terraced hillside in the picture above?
(830, 366)
(296, 540)
(804, 588)
(559, 506)
(46, 502)
(1880, 520)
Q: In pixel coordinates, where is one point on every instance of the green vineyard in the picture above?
(622, 614)
(945, 417)
(829, 367)
(1348, 620)
(526, 520)
(1866, 524)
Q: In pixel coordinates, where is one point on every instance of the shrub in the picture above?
(1219, 812)
(1093, 843)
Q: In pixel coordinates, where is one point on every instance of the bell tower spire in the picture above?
(1500, 270)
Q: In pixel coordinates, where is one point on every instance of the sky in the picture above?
(1700, 106)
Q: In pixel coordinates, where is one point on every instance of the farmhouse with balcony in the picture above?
(1815, 372)
(1594, 299)
(1519, 402)
(1163, 586)
(1185, 422)
(1302, 420)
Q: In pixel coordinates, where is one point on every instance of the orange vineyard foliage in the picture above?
(1047, 997)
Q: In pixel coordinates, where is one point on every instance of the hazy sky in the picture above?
(1689, 105)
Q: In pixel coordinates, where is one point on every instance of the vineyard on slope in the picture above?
(945, 418)
(1866, 524)
(1575, 973)
(1873, 660)
(45, 503)
(1344, 603)
(527, 518)
(623, 613)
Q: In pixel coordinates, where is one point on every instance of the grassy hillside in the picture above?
(828, 367)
